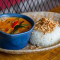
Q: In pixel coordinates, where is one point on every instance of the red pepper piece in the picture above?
(6, 29)
(14, 24)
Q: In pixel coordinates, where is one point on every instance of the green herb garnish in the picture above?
(19, 26)
(25, 24)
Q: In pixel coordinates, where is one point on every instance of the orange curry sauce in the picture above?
(6, 25)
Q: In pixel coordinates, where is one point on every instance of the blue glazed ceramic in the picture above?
(15, 41)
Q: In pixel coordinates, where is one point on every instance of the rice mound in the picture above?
(40, 39)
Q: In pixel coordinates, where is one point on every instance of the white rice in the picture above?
(39, 39)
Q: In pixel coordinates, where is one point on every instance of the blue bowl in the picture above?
(15, 41)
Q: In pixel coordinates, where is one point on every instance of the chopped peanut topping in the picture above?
(45, 25)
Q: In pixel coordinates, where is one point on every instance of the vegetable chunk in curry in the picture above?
(14, 25)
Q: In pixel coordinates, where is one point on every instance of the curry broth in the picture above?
(7, 24)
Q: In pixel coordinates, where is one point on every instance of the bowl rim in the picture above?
(16, 15)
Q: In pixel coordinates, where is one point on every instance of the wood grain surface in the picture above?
(53, 54)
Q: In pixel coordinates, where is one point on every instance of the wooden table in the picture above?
(53, 54)
(57, 9)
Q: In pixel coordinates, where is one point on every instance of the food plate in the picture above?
(35, 16)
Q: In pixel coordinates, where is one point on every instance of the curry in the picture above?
(14, 25)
